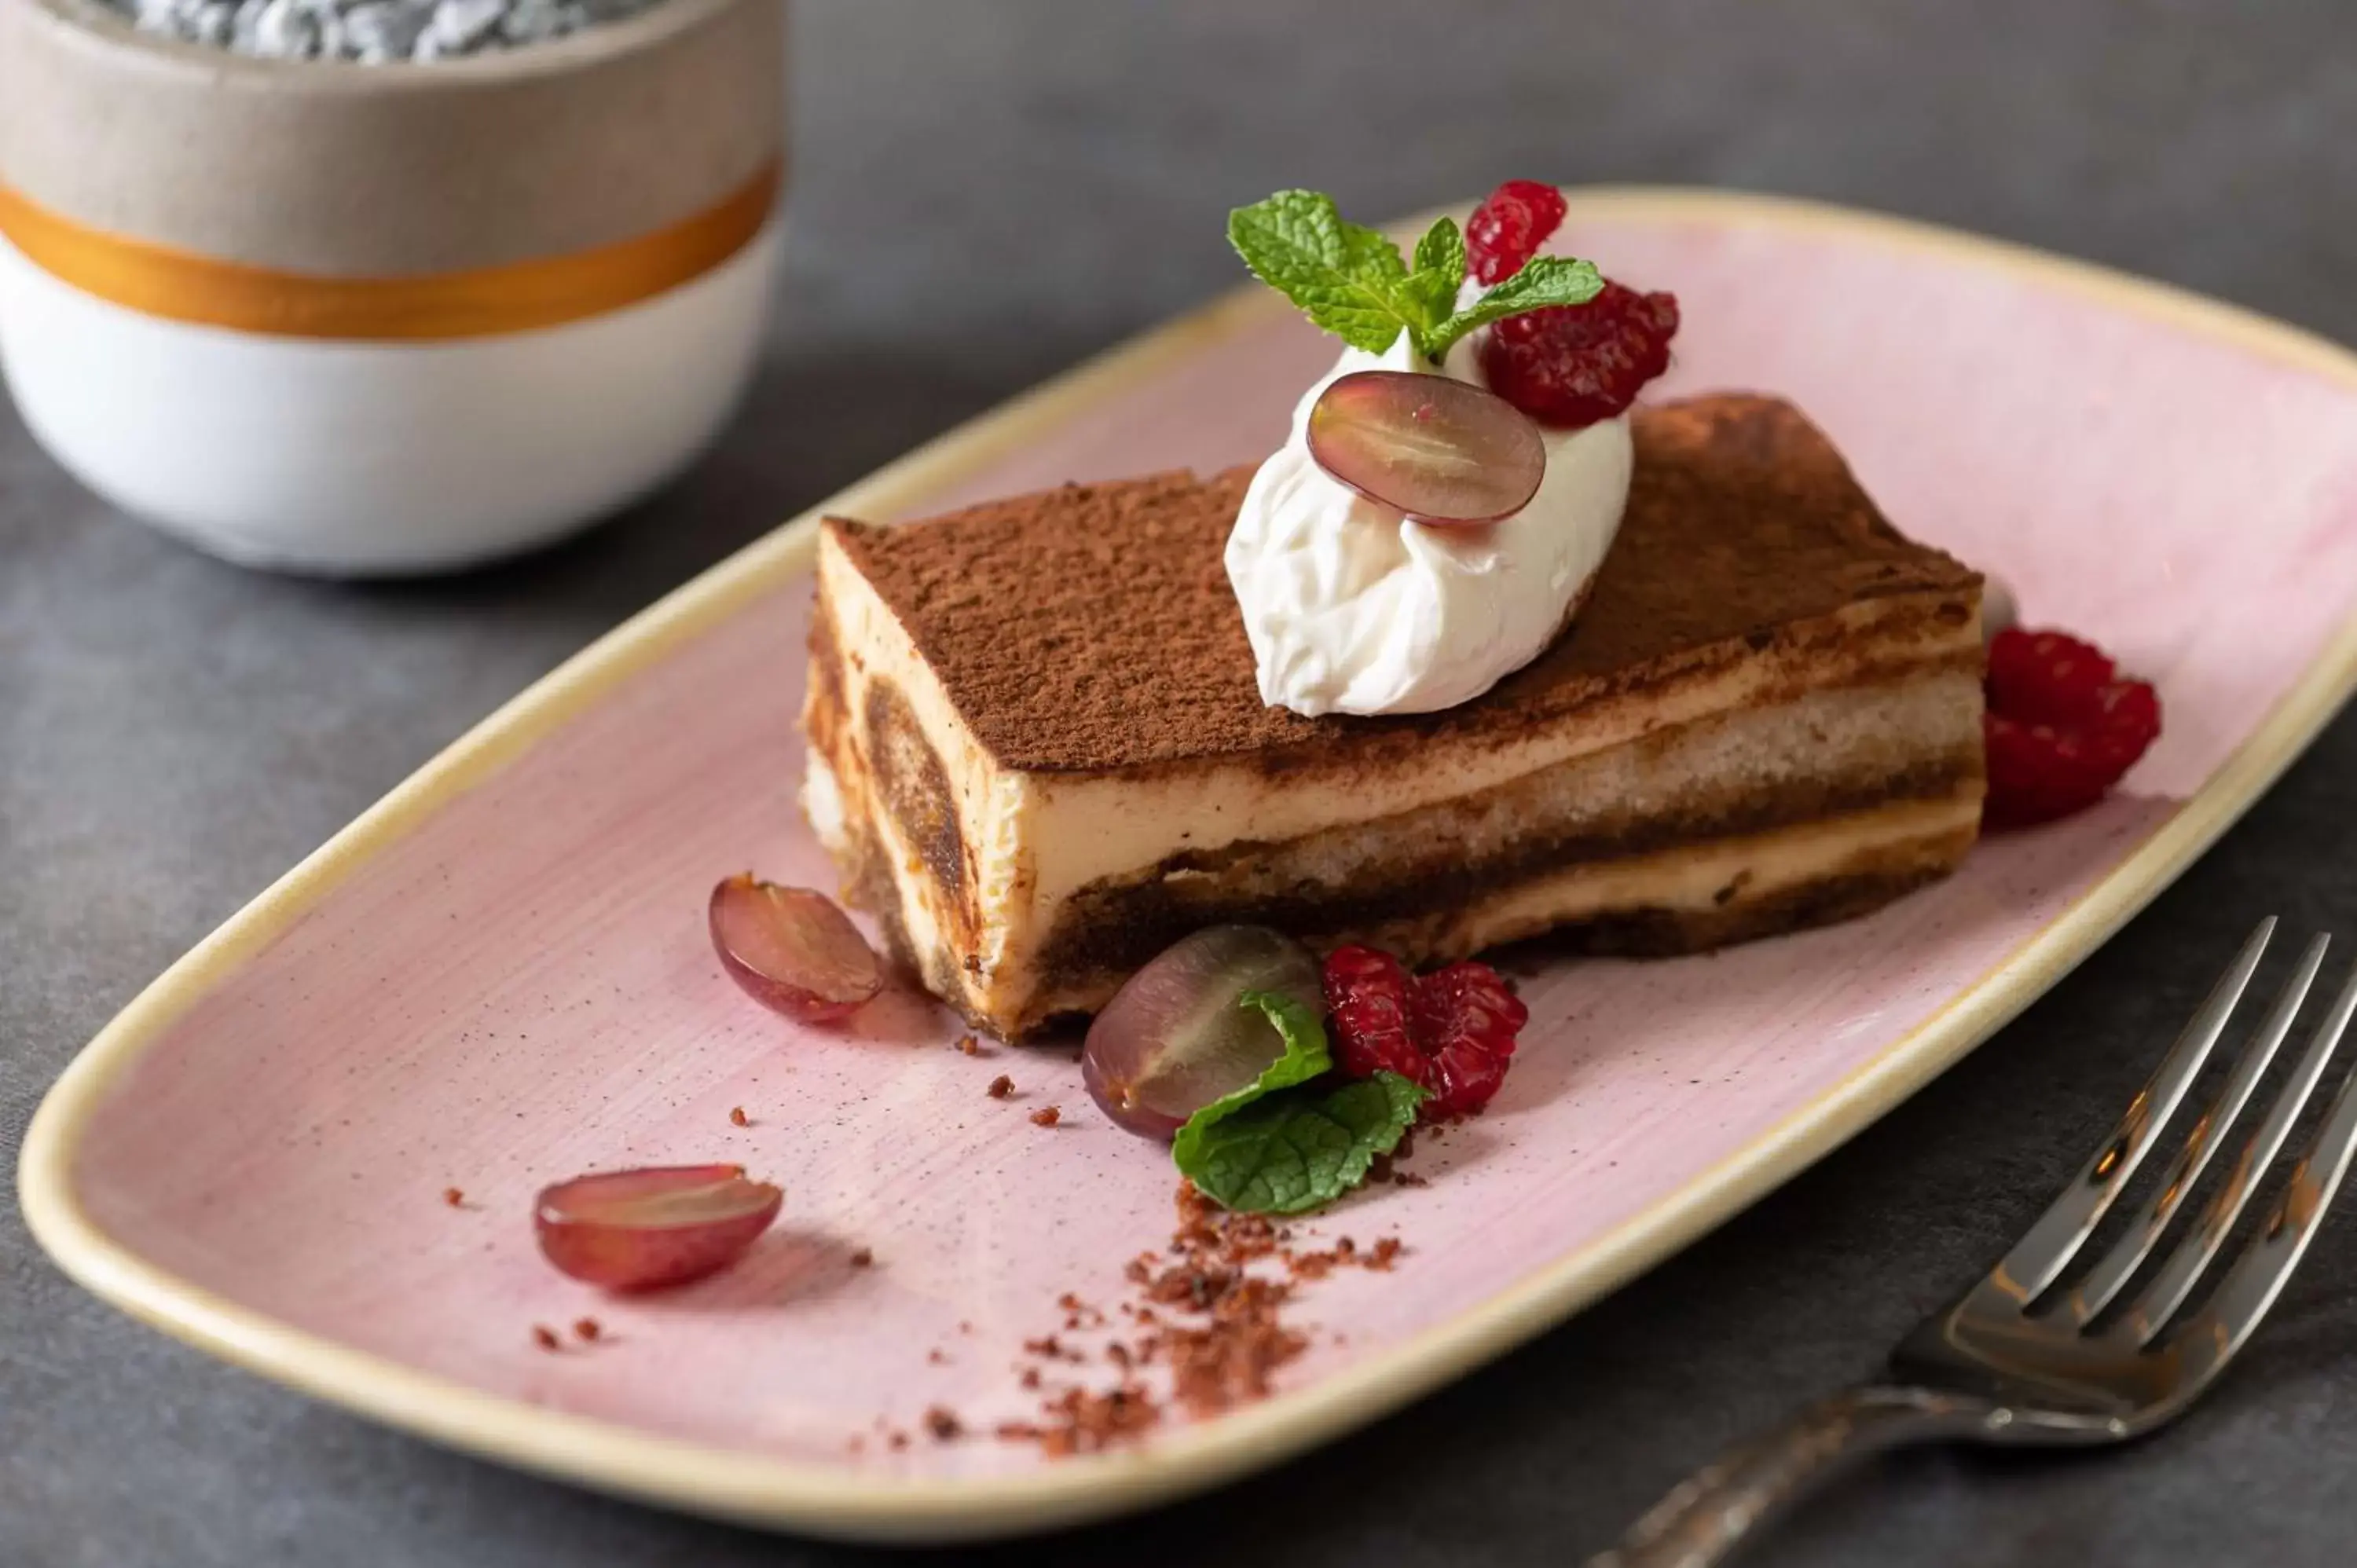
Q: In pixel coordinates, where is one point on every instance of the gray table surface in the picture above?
(986, 194)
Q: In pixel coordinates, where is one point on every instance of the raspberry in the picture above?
(1509, 227)
(2063, 726)
(2045, 677)
(1451, 1032)
(1367, 992)
(1570, 365)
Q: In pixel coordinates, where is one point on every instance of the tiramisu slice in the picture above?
(1039, 755)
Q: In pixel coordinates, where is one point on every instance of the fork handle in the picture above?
(1707, 1517)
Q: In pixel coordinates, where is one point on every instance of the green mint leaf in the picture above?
(1429, 291)
(1543, 281)
(1442, 250)
(1347, 278)
(1303, 1148)
(1306, 1057)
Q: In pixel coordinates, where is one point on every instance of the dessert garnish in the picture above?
(1217, 1044)
(1451, 1033)
(1437, 450)
(642, 1229)
(2062, 726)
(1265, 1116)
(1509, 227)
(1352, 281)
(1572, 367)
(1362, 590)
(792, 950)
(1173, 1039)
(1301, 1135)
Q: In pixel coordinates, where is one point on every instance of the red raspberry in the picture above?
(2062, 728)
(2045, 677)
(1451, 1032)
(1570, 365)
(1367, 992)
(1509, 227)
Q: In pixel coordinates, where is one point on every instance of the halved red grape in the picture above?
(1437, 448)
(1176, 1038)
(792, 950)
(641, 1230)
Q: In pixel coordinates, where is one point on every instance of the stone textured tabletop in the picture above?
(986, 194)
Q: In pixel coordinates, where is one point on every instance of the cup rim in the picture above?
(89, 23)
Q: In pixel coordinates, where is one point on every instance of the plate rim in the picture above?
(826, 1501)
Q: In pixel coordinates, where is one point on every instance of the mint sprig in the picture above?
(1543, 281)
(1286, 1142)
(1305, 1147)
(1352, 281)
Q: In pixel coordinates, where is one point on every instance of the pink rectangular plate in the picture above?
(500, 976)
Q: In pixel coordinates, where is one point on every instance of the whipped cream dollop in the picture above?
(1352, 608)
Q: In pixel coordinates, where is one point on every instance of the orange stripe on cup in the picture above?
(483, 302)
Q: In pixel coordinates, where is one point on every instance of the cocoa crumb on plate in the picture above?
(1223, 1339)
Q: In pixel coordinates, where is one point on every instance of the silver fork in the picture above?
(1989, 1369)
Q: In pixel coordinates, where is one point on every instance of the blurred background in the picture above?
(981, 195)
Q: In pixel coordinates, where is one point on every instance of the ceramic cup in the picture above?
(357, 319)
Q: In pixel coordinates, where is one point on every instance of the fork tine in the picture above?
(2209, 1340)
(2184, 1266)
(2115, 1269)
(2025, 1270)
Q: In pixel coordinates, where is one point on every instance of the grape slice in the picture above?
(1438, 449)
(792, 950)
(663, 1225)
(1174, 1037)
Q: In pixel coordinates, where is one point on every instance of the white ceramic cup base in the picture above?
(349, 458)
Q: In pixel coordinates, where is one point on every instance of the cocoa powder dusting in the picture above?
(1221, 1333)
(1741, 515)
